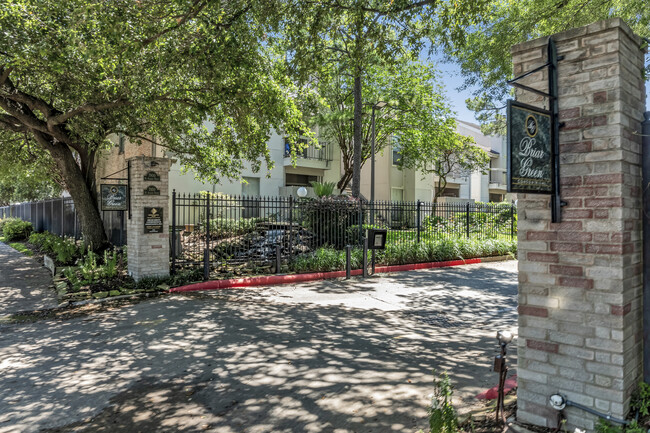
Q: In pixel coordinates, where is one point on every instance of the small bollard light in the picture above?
(500, 366)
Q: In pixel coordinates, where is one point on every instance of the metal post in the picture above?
(417, 219)
(278, 259)
(467, 228)
(372, 170)
(290, 227)
(365, 257)
(62, 219)
(556, 201)
(645, 152)
(348, 261)
(173, 270)
(206, 253)
(512, 221)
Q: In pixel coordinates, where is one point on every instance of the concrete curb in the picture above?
(315, 276)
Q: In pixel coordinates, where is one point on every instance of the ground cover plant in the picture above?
(64, 251)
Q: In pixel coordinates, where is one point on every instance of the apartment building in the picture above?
(323, 164)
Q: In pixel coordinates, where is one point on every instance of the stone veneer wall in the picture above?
(148, 254)
(580, 281)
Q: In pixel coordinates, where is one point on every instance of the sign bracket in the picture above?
(552, 60)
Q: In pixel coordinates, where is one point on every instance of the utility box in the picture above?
(376, 238)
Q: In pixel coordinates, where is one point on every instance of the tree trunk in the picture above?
(92, 226)
(344, 181)
(358, 138)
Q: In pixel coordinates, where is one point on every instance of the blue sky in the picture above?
(452, 80)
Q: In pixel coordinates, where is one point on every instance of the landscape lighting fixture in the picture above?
(504, 337)
(302, 192)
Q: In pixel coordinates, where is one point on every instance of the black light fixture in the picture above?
(500, 366)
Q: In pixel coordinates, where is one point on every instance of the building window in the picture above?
(397, 151)
(251, 188)
(292, 179)
(120, 144)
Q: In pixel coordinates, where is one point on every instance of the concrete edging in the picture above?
(315, 276)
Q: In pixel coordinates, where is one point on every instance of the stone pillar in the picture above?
(580, 281)
(148, 235)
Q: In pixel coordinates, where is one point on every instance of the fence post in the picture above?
(62, 218)
(278, 258)
(206, 252)
(290, 228)
(173, 269)
(360, 220)
(467, 219)
(365, 257)
(417, 219)
(348, 261)
(512, 221)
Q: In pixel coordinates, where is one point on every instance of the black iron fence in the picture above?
(252, 232)
(59, 216)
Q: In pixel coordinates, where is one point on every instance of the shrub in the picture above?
(329, 219)
(326, 259)
(14, 229)
(323, 189)
(64, 250)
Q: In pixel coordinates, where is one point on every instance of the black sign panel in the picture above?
(153, 220)
(530, 157)
(151, 176)
(151, 190)
(113, 197)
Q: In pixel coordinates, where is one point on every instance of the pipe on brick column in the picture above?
(645, 191)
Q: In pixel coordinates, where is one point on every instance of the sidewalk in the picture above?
(24, 283)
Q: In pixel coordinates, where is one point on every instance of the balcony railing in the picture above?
(498, 176)
(322, 153)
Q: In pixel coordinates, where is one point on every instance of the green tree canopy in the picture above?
(326, 39)
(195, 74)
(484, 56)
(446, 155)
(415, 103)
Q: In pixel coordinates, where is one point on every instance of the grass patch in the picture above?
(18, 246)
(21, 248)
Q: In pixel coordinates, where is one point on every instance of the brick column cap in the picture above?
(598, 26)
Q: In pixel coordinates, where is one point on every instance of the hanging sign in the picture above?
(113, 197)
(153, 219)
(151, 176)
(530, 155)
(151, 190)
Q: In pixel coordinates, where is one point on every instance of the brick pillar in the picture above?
(148, 247)
(580, 281)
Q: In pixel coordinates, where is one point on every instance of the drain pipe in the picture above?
(645, 157)
(559, 402)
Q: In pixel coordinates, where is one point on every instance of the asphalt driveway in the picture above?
(330, 356)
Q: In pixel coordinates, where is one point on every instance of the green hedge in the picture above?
(15, 229)
(328, 259)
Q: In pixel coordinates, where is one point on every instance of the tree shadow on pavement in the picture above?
(229, 364)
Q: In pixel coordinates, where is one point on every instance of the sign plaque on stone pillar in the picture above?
(529, 149)
(153, 218)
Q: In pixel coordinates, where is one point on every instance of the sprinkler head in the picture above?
(557, 402)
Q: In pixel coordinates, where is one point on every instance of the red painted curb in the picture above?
(299, 278)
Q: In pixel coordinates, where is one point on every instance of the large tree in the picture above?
(485, 58)
(328, 38)
(195, 74)
(415, 102)
(27, 174)
(448, 155)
